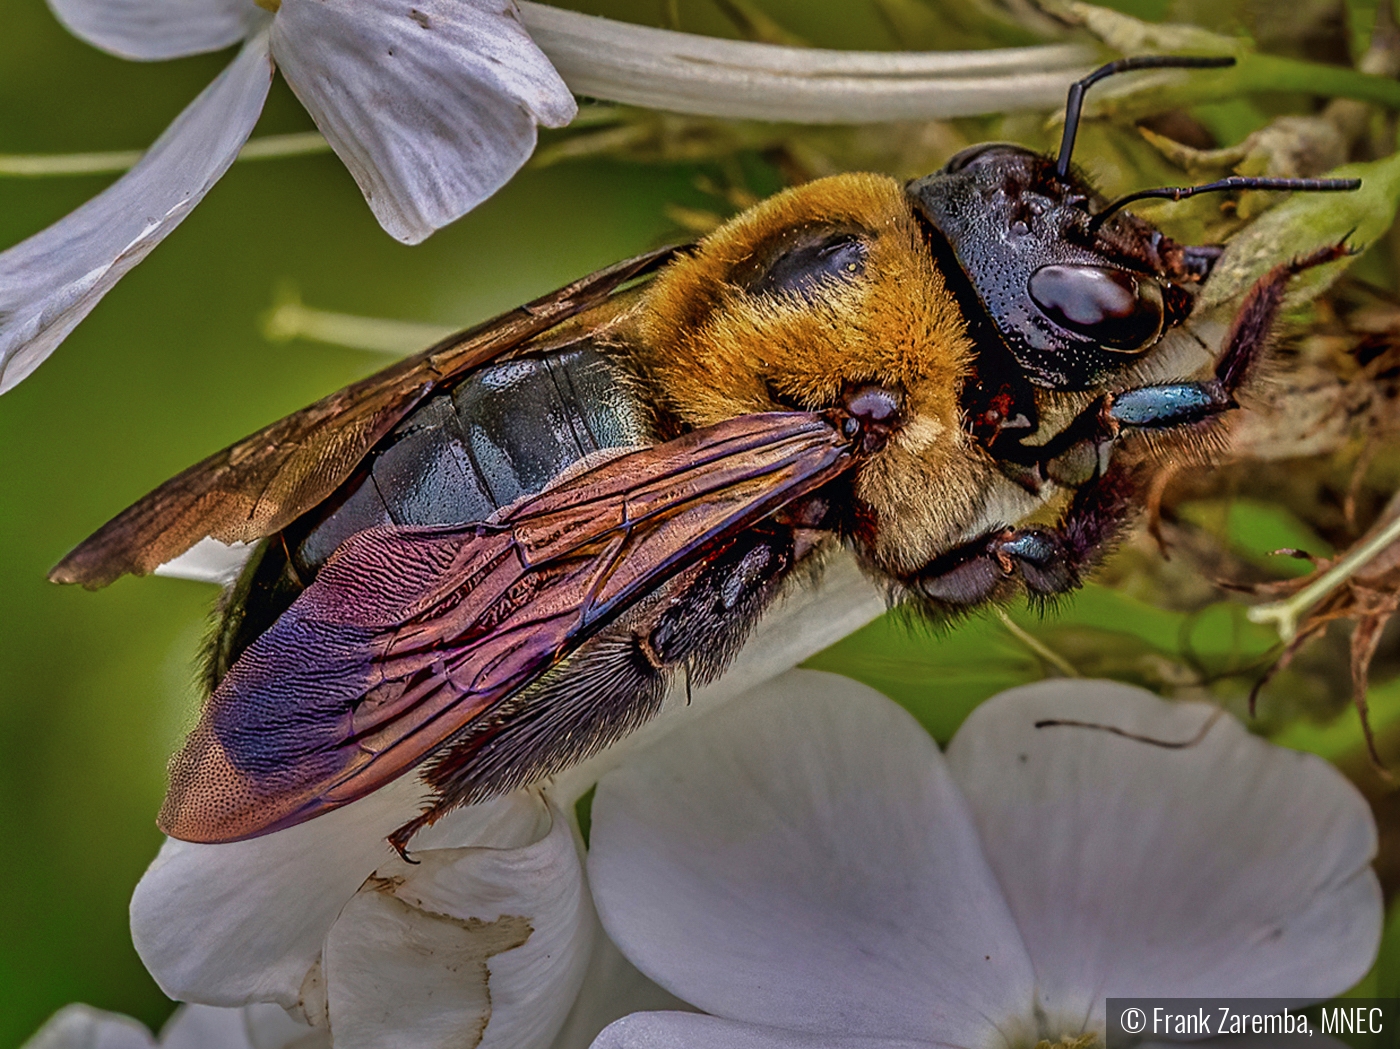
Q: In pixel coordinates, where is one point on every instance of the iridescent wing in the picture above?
(261, 484)
(408, 634)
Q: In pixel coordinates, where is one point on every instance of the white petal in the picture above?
(612, 988)
(83, 1027)
(271, 1027)
(244, 922)
(189, 1027)
(513, 822)
(153, 29)
(1231, 868)
(208, 561)
(49, 282)
(471, 943)
(691, 1031)
(802, 859)
(806, 620)
(205, 1027)
(684, 73)
(431, 105)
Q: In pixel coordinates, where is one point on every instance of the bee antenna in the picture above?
(1074, 104)
(1312, 185)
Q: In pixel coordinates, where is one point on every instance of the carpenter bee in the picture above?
(490, 557)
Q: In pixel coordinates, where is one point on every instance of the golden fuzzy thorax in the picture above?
(714, 350)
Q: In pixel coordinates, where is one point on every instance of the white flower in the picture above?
(738, 79)
(431, 104)
(191, 1027)
(612, 988)
(808, 869)
(485, 945)
(491, 931)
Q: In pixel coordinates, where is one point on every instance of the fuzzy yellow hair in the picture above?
(715, 350)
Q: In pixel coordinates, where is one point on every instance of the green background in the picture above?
(96, 688)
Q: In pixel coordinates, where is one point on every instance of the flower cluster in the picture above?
(797, 867)
(784, 859)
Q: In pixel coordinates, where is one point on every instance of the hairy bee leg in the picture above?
(1166, 406)
(1254, 322)
(1080, 451)
(1048, 561)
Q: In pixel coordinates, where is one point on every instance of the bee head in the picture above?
(1072, 301)
(1072, 287)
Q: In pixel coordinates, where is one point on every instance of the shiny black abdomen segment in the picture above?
(502, 432)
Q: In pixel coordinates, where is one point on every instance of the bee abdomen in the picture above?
(502, 432)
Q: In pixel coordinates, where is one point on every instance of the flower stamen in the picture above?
(44, 165)
(289, 319)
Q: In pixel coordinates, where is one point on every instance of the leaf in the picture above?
(1133, 36)
(1155, 92)
(1303, 222)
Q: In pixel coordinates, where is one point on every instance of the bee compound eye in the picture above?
(1117, 309)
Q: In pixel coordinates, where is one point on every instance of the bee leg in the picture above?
(398, 841)
(1053, 561)
(1048, 561)
(1167, 406)
(1253, 324)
